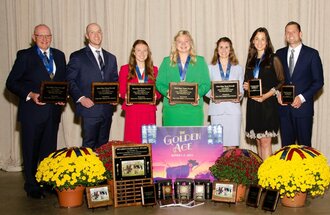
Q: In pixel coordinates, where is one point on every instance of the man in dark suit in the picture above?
(88, 65)
(39, 121)
(302, 69)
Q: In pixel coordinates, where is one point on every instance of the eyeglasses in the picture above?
(43, 36)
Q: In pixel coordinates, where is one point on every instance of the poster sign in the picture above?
(186, 152)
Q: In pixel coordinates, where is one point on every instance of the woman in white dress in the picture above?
(224, 67)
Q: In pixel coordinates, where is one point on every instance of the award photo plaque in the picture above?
(224, 191)
(254, 194)
(53, 92)
(225, 91)
(255, 88)
(148, 194)
(140, 93)
(98, 196)
(105, 92)
(288, 94)
(199, 192)
(183, 93)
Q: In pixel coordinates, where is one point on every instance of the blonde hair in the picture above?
(174, 52)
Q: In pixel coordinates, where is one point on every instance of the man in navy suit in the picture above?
(296, 119)
(88, 65)
(39, 121)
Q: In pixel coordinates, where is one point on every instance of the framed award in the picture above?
(199, 192)
(98, 196)
(270, 200)
(148, 194)
(288, 94)
(255, 88)
(225, 91)
(167, 192)
(253, 197)
(224, 191)
(140, 93)
(105, 92)
(183, 93)
(53, 92)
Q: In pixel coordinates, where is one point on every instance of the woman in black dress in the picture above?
(262, 121)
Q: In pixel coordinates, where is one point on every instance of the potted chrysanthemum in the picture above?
(239, 166)
(71, 169)
(295, 171)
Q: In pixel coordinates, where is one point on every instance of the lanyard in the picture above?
(47, 62)
(257, 66)
(143, 78)
(224, 77)
(183, 71)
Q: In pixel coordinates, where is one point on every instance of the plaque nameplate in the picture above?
(140, 93)
(183, 93)
(53, 92)
(148, 195)
(225, 91)
(254, 194)
(270, 200)
(288, 94)
(105, 92)
(255, 88)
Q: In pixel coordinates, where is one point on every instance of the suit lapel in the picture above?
(299, 59)
(91, 57)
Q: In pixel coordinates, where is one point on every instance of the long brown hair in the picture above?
(149, 66)
(269, 50)
(232, 56)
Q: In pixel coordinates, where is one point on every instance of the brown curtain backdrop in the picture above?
(156, 21)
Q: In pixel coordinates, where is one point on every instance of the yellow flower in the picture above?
(295, 168)
(68, 168)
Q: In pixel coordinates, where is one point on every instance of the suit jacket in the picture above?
(307, 78)
(27, 74)
(82, 71)
(231, 108)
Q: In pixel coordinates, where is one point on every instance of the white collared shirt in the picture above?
(296, 54)
(95, 54)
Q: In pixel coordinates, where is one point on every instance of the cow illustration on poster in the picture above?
(186, 152)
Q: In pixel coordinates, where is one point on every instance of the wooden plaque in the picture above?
(288, 94)
(254, 194)
(99, 196)
(140, 93)
(270, 200)
(224, 191)
(53, 92)
(255, 88)
(148, 194)
(105, 92)
(225, 91)
(183, 93)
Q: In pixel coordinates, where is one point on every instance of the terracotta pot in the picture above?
(71, 197)
(240, 193)
(110, 182)
(297, 201)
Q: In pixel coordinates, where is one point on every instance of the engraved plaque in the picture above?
(140, 93)
(255, 88)
(225, 90)
(105, 92)
(183, 93)
(288, 94)
(53, 92)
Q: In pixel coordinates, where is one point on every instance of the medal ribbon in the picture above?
(143, 78)
(47, 62)
(183, 71)
(223, 76)
(257, 66)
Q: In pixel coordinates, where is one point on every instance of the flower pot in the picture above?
(297, 201)
(240, 193)
(71, 197)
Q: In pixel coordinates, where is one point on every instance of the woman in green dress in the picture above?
(183, 65)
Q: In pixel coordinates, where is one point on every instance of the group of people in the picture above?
(264, 116)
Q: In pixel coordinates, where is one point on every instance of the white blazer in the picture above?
(230, 108)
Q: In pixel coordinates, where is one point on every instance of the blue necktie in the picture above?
(101, 63)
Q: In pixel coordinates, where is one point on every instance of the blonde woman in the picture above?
(183, 65)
